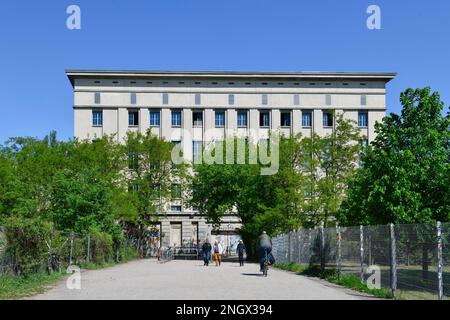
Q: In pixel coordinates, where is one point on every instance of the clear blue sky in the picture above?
(253, 35)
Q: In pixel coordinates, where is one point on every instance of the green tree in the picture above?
(150, 175)
(404, 177)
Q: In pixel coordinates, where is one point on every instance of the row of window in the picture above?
(231, 99)
(242, 118)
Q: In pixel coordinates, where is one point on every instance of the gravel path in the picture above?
(190, 280)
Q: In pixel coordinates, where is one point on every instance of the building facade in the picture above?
(194, 108)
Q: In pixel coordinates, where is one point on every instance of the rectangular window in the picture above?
(197, 147)
(220, 118)
(264, 119)
(242, 119)
(133, 160)
(165, 98)
(133, 98)
(327, 119)
(176, 119)
(306, 119)
(97, 118)
(197, 118)
(175, 208)
(133, 118)
(155, 118)
(231, 99)
(363, 119)
(264, 99)
(296, 99)
(176, 191)
(363, 100)
(97, 98)
(285, 119)
(198, 98)
(328, 100)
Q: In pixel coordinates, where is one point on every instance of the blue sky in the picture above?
(246, 35)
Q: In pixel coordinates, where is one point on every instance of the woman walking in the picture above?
(217, 250)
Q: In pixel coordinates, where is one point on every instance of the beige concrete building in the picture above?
(196, 107)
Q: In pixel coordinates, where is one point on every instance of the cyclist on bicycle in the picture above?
(265, 245)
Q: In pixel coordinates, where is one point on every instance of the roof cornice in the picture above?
(80, 73)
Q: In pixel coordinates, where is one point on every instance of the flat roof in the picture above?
(82, 73)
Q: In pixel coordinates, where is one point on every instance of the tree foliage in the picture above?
(404, 177)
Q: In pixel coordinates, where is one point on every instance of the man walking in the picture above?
(206, 248)
(240, 251)
(217, 249)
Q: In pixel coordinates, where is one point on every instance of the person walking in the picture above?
(217, 249)
(240, 251)
(206, 248)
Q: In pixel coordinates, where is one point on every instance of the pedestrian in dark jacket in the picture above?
(206, 248)
(240, 251)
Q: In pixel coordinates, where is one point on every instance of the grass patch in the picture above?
(348, 281)
(14, 287)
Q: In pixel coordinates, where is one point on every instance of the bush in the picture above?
(26, 243)
(101, 247)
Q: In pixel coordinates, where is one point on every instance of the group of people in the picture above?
(216, 250)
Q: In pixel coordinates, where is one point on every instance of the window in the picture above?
(175, 208)
(328, 100)
(285, 119)
(133, 187)
(231, 99)
(220, 118)
(327, 119)
(133, 118)
(197, 118)
(176, 191)
(242, 119)
(363, 100)
(307, 119)
(133, 160)
(165, 98)
(264, 99)
(264, 119)
(176, 118)
(155, 118)
(97, 98)
(97, 118)
(133, 98)
(363, 119)
(198, 98)
(296, 99)
(197, 151)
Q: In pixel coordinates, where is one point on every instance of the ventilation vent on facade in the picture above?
(345, 84)
(328, 84)
(312, 84)
(231, 83)
(264, 83)
(296, 83)
(165, 82)
(280, 83)
(362, 84)
(97, 81)
(247, 83)
(149, 82)
(214, 82)
(181, 82)
(198, 83)
(115, 82)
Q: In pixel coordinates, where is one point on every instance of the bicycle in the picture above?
(266, 263)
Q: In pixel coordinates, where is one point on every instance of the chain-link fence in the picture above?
(413, 261)
(61, 250)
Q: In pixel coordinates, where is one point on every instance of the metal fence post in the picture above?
(289, 258)
(322, 248)
(339, 256)
(393, 248)
(71, 250)
(88, 258)
(439, 256)
(361, 249)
